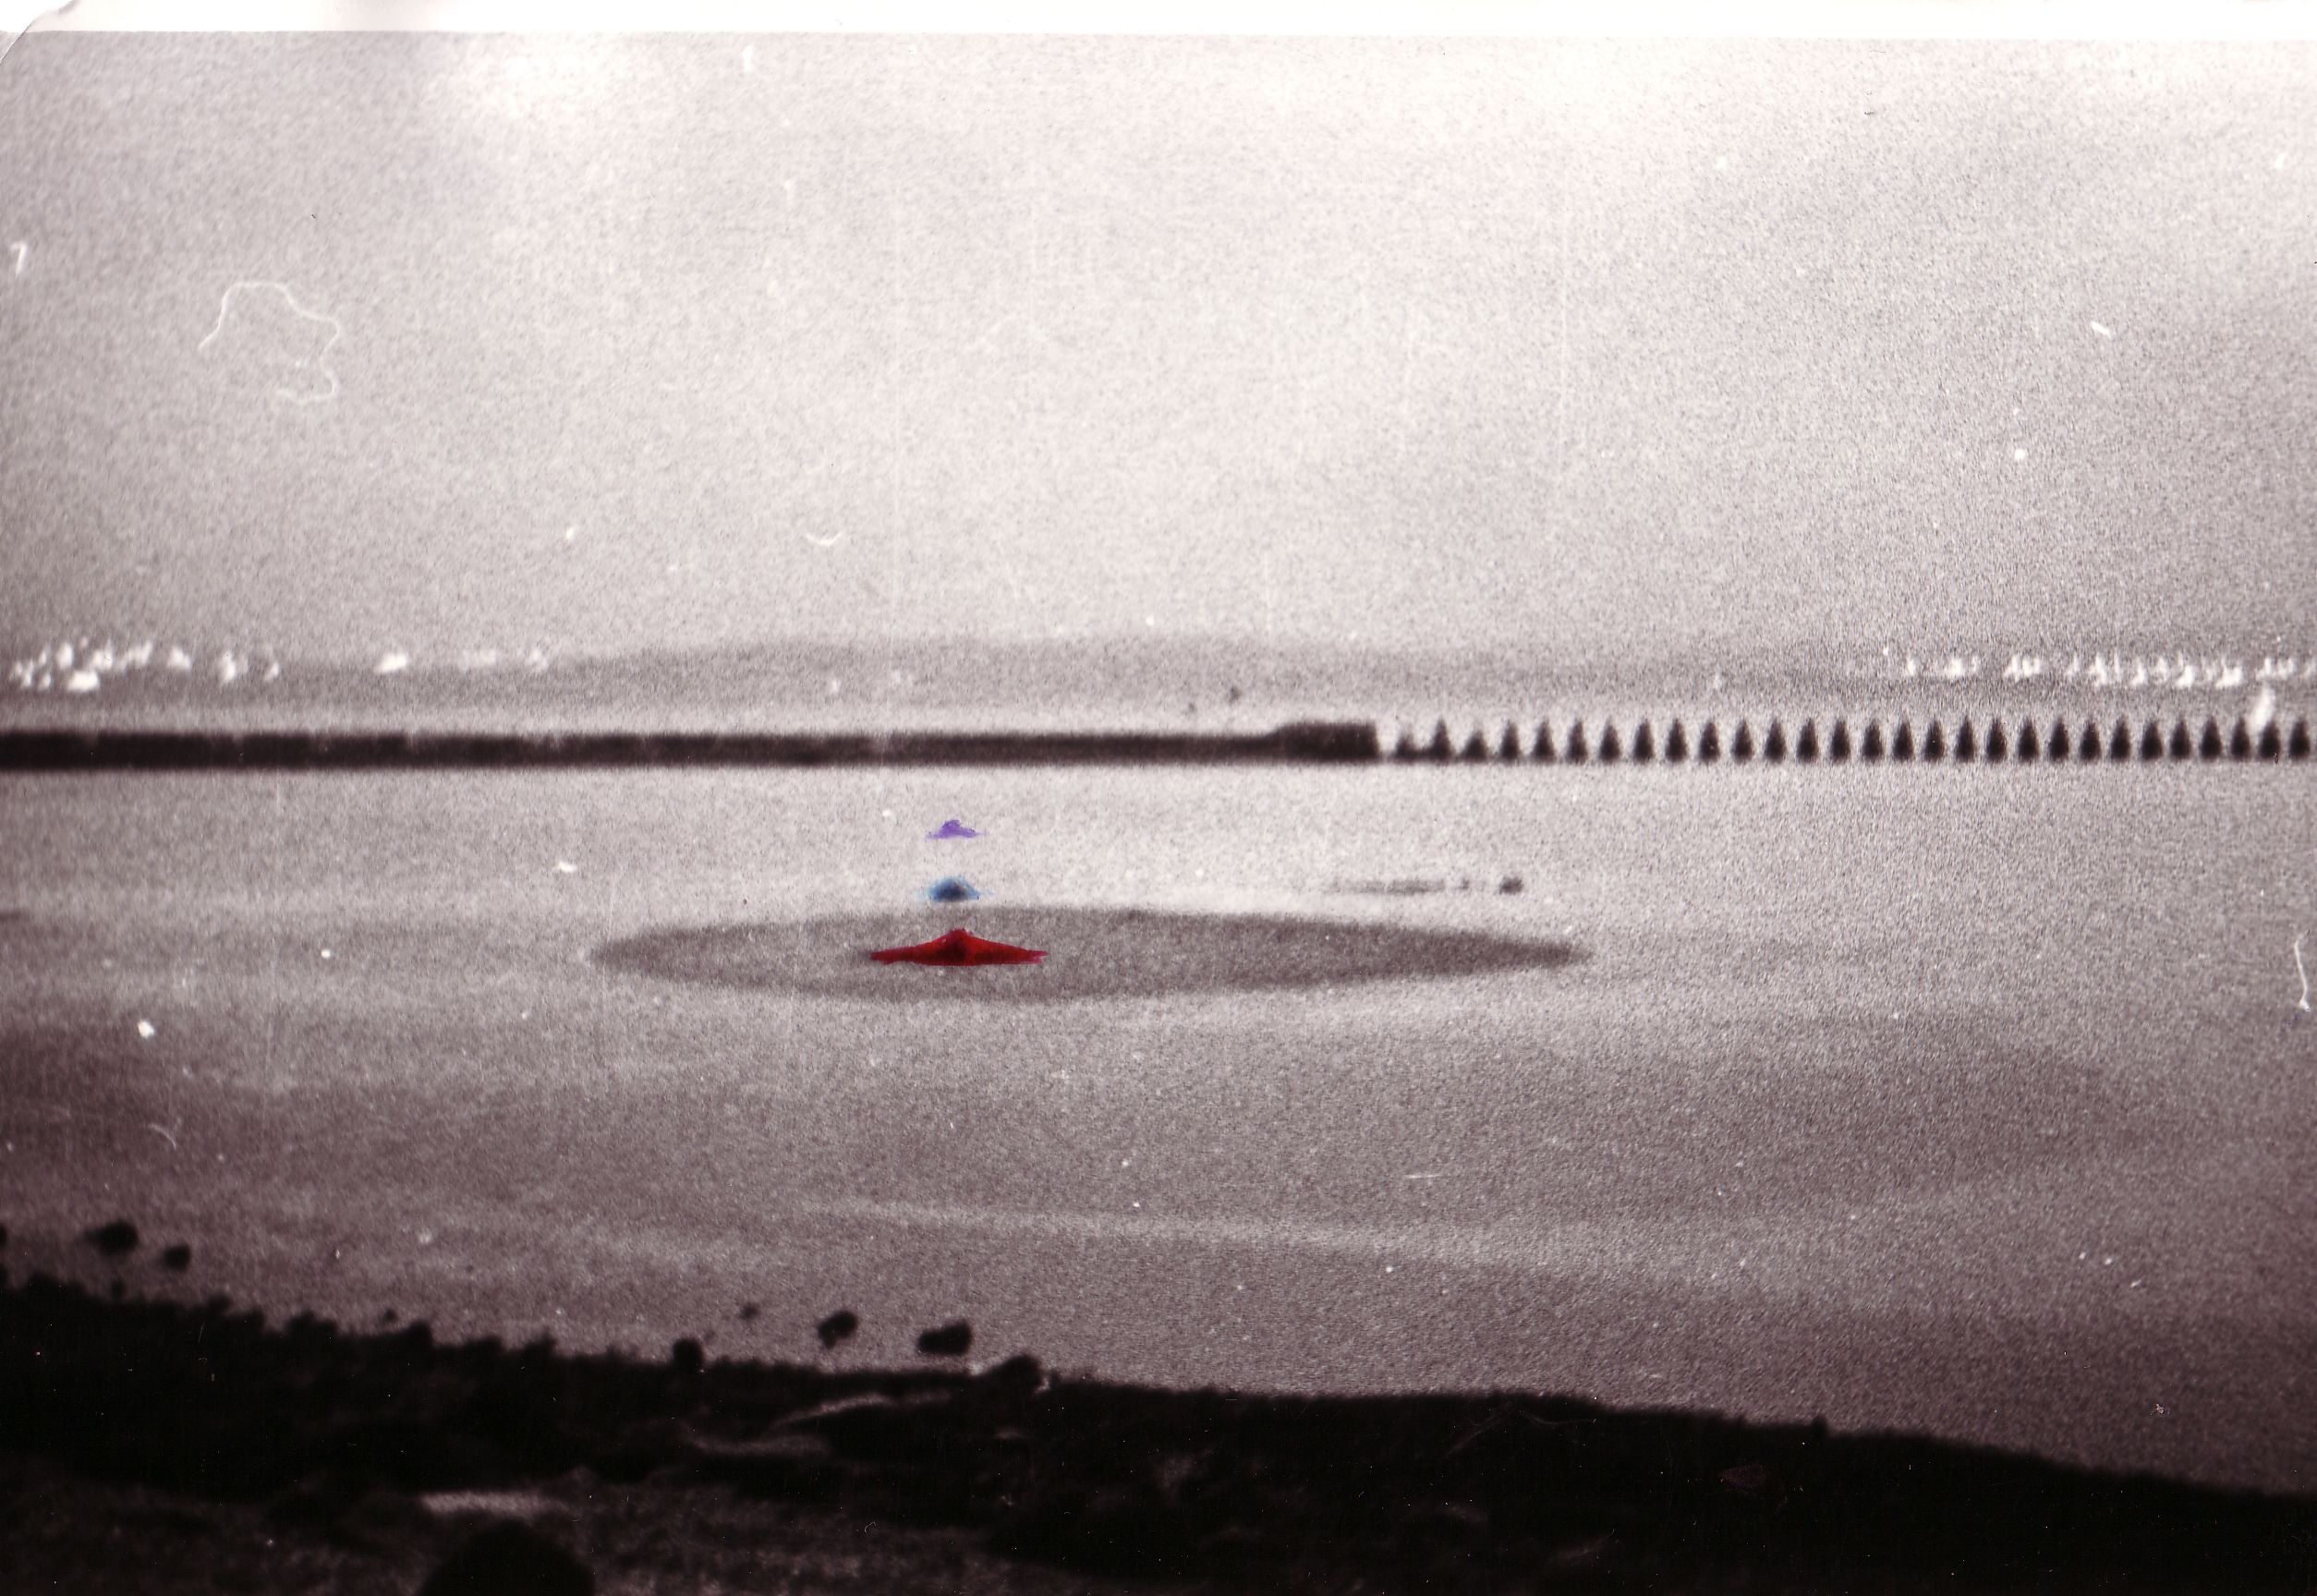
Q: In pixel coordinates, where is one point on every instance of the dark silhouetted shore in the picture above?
(363, 1460)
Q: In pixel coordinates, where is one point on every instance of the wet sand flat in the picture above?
(1944, 1101)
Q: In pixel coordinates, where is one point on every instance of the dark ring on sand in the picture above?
(1091, 953)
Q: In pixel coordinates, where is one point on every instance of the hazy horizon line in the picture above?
(1927, 647)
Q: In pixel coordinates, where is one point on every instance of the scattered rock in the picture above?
(951, 1340)
(526, 1505)
(838, 1326)
(687, 1357)
(782, 1445)
(1020, 1373)
(315, 1502)
(791, 1463)
(748, 1311)
(117, 1240)
(178, 1258)
(842, 1405)
(510, 1560)
(1510, 884)
(384, 1521)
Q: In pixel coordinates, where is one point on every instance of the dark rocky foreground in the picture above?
(183, 1446)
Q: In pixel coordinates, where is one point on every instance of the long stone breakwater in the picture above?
(1598, 742)
(1992, 742)
(109, 749)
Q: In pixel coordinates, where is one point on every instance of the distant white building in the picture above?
(2263, 711)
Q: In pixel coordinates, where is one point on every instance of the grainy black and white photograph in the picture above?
(1479, 801)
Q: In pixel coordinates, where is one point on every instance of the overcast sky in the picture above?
(355, 341)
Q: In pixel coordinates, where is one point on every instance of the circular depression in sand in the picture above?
(1090, 953)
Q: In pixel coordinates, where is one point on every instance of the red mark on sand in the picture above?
(959, 947)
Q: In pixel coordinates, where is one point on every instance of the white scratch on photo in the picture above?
(318, 361)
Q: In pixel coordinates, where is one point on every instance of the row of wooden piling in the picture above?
(2027, 743)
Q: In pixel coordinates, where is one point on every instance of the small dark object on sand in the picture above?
(1510, 884)
(748, 1311)
(838, 1326)
(117, 1240)
(1019, 1372)
(389, 1317)
(510, 1559)
(178, 1258)
(687, 1357)
(950, 1341)
(4, 1235)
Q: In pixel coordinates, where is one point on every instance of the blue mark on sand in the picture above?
(952, 890)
